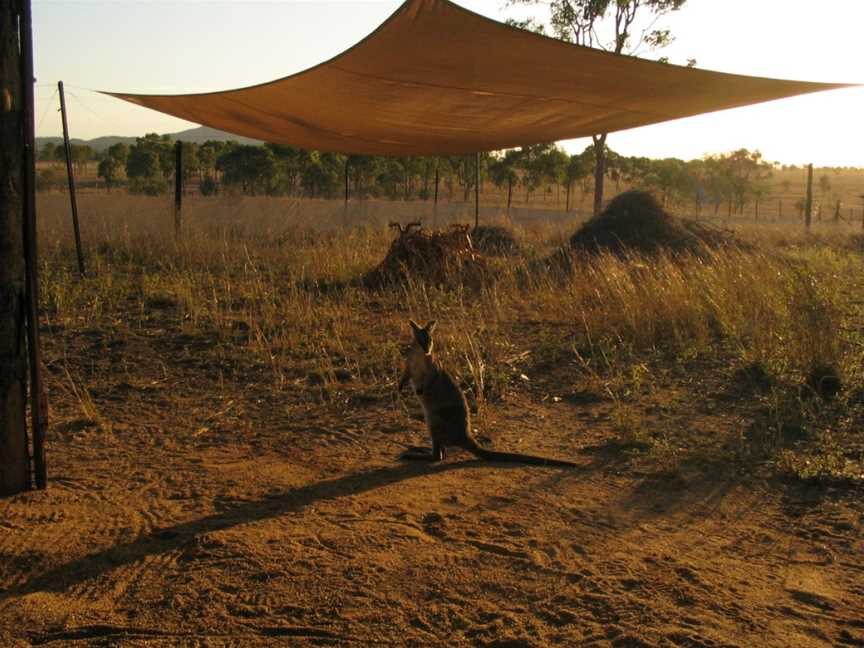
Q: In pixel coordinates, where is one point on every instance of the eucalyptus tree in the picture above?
(249, 167)
(504, 171)
(149, 163)
(208, 153)
(578, 167)
(609, 25)
(363, 170)
(322, 173)
(113, 160)
(191, 165)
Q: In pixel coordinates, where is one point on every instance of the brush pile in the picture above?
(494, 240)
(635, 222)
(435, 258)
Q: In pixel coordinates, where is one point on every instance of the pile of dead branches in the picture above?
(432, 257)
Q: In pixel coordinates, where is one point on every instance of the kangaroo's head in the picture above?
(418, 356)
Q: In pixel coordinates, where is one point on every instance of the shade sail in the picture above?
(435, 78)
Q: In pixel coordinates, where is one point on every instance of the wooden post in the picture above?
(178, 188)
(599, 170)
(477, 191)
(14, 459)
(779, 209)
(808, 201)
(435, 200)
(70, 176)
(38, 402)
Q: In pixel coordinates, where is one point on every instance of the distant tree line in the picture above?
(726, 182)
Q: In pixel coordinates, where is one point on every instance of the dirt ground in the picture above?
(203, 508)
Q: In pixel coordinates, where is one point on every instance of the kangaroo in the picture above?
(444, 407)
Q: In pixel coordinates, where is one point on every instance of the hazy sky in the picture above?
(152, 46)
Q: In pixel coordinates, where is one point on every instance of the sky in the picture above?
(156, 46)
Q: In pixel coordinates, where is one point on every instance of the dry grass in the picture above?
(224, 429)
(274, 280)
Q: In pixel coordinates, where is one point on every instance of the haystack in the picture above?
(635, 222)
(433, 257)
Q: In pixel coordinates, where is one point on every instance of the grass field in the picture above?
(225, 427)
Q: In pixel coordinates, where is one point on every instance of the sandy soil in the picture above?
(201, 508)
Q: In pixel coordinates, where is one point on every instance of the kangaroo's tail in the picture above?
(513, 457)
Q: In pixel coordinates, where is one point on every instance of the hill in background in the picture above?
(197, 135)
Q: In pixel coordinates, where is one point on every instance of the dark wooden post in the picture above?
(178, 188)
(779, 209)
(435, 200)
(477, 190)
(808, 201)
(599, 170)
(14, 460)
(70, 176)
(38, 402)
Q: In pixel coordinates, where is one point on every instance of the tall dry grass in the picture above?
(282, 267)
(272, 282)
(273, 278)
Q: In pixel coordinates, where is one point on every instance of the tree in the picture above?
(81, 155)
(760, 190)
(149, 163)
(324, 177)
(536, 166)
(552, 167)
(361, 169)
(578, 167)
(736, 177)
(669, 178)
(208, 153)
(112, 162)
(503, 171)
(579, 22)
(288, 164)
(461, 169)
(47, 179)
(108, 170)
(391, 177)
(190, 161)
(250, 167)
(46, 153)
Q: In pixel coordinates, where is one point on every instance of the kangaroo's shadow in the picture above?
(68, 575)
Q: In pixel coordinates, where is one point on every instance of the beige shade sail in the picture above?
(438, 79)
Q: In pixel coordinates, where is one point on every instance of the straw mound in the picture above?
(494, 240)
(635, 222)
(436, 257)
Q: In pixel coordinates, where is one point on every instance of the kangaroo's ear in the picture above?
(430, 326)
(415, 326)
